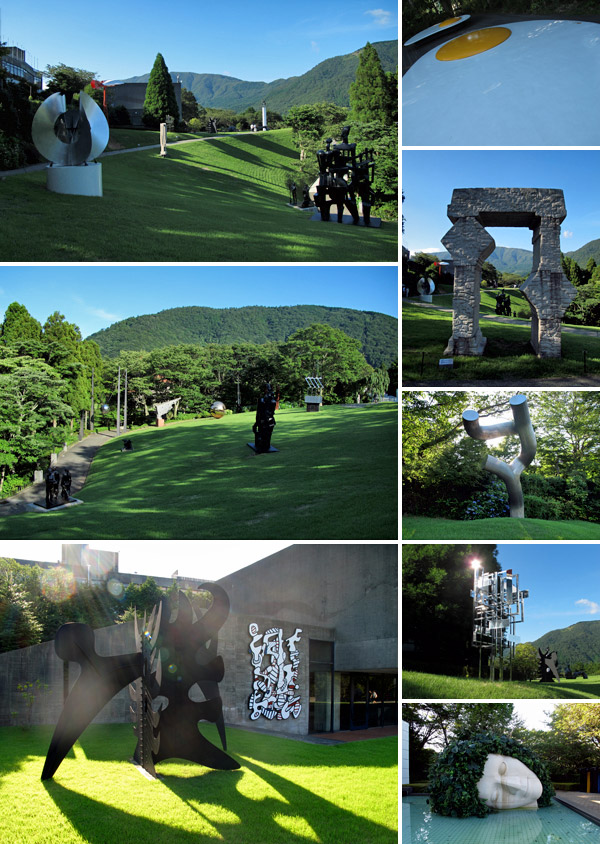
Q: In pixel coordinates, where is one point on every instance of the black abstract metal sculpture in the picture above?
(65, 485)
(165, 717)
(265, 422)
(342, 176)
(548, 666)
(52, 485)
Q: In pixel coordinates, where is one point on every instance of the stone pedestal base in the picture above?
(426, 297)
(83, 180)
(466, 345)
(270, 451)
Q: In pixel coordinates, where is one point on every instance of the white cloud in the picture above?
(428, 250)
(567, 233)
(592, 607)
(314, 47)
(380, 16)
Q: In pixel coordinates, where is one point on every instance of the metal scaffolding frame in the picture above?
(498, 606)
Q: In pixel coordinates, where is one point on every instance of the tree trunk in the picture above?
(2, 476)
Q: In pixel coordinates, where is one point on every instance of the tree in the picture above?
(327, 352)
(526, 662)
(189, 106)
(369, 93)
(142, 598)
(489, 273)
(160, 95)
(19, 325)
(437, 604)
(571, 426)
(62, 79)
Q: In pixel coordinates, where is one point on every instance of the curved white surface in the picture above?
(537, 88)
(436, 29)
(81, 180)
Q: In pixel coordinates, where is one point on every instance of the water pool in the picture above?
(555, 825)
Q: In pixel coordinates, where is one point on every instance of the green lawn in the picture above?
(421, 686)
(131, 138)
(222, 199)
(286, 792)
(487, 304)
(422, 527)
(334, 477)
(508, 354)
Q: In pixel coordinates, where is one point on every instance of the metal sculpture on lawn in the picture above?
(69, 139)
(165, 716)
(548, 666)
(342, 176)
(265, 422)
(520, 425)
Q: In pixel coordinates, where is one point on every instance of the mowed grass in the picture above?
(508, 354)
(421, 686)
(487, 304)
(132, 138)
(422, 527)
(334, 477)
(222, 199)
(286, 792)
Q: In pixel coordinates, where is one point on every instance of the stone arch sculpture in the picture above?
(548, 290)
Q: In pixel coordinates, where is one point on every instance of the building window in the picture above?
(368, 700)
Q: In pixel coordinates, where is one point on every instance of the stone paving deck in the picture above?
(587, 804)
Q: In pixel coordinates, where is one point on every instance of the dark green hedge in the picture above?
(454, 775)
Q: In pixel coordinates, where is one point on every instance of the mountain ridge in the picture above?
(580, 642)
(328, 81)
(199, 325)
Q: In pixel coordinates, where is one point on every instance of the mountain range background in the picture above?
(196, 325)
(508, 259)
(329, 81)
(578, 643)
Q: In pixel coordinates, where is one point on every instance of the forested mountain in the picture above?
(578, 643)
(377, 333)
(506, 259)
(585, 252)
(329, 81)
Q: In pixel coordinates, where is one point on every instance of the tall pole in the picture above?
(119, 403)
(92, 404)
(125, 405)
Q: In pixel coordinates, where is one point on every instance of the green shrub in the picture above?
(12, 152)
(454, 775)
(537, 507)
(566, 786)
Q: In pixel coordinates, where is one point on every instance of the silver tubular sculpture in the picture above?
(71, 139)
(522, 427)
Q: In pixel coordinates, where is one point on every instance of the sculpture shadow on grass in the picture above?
(248, 819)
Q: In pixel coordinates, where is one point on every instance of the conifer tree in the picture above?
(369, 93)
(160, 95)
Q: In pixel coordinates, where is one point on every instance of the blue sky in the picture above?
(93, 297)
(251, 41)
(429, 177)
(563, 582)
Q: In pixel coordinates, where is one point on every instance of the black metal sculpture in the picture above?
(52, 484)
(293, 194)
(65, 485)
(265, 422)
(342, 176)
(189, 646)
(548, 666)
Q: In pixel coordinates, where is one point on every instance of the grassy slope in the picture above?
(507, 355)
(217, 200)
(421, 686)
(131, 138)
(488, 300)
(285, 791)
(333, 478)
(421, 527)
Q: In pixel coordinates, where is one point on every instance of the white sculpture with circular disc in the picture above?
(71, 139)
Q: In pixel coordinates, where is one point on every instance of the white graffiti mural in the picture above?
(275, 686)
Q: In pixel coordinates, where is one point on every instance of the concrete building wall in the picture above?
(132, 96)
(351, 588)
(405, 769)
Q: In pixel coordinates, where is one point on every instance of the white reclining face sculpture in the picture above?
(507, 783)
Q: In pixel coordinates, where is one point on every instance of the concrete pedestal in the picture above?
(83, 180)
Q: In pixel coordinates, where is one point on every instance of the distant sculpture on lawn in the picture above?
(265, 422)
(65, 485)
(547, 289)
(548, 666)
(52, 485)
(522, 427)
(342, 176)
(163, 730)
